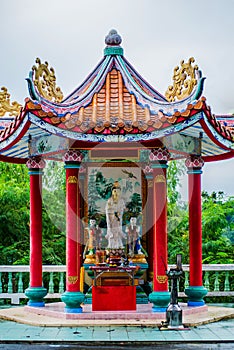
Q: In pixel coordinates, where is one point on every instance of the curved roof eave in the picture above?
(14, 133)
(146, 96)
(219, 135)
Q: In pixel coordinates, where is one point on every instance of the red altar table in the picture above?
(114, 288)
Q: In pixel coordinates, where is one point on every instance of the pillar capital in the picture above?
(159, 155)
(148, 170)
(73, 156)
(194, 164)
(36, 163)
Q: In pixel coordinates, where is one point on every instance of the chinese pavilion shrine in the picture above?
(115, 133)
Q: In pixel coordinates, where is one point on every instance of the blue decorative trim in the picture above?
(200, 86)
(196, 303)
(159, 309)
(73, 311)
(36, 303)
(72, 165)
(35, 172)
(159, 165)
(31, 87)
(113, 50)
(149, 176)
(194, 171)
(114, 138)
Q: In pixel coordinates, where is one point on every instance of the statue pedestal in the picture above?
(114, 288)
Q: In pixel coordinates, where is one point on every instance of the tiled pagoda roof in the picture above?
(115, 103)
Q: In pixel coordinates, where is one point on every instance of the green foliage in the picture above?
(178, 236)
(14, 214)
(218, 223)
(53, 214)
(15, 220)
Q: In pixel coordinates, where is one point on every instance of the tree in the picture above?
(218, 223)
(178, 236)
(14, 214)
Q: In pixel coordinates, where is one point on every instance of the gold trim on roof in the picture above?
(184, 81)
(45, 81)
(6, 106)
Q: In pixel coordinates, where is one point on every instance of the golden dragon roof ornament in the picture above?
(6, 106)
(184, 81)
(45, 81)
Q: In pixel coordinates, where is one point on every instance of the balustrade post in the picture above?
(61, 283)
(51, 283)
(226, 282)
(9, 285)
(20, 283)
(0, 282)
(216, 282)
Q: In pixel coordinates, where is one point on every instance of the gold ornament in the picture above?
(45, 81)
(160, 178)
(6, 106)
(72, 180)
(184, 81)
(72, 279)
(162, 279)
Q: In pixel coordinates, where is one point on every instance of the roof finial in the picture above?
(113, 41)
(113, 38)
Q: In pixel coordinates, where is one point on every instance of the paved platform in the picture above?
(212, 333)
(53, 315)
(212, 325)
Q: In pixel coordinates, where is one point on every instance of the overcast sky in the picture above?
(156, 36)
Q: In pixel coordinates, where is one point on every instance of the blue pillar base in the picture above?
(160, 301)
(35, 296)
(73, 311)
(36, 304)
(196, 303)
(159, 309)
(73, 301)
(195, 295)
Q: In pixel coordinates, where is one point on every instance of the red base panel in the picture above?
(113, 298)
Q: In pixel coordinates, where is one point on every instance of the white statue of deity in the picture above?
(94, 238)
(115, 207)
(133, 232)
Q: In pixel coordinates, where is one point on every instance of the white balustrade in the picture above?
(14, 279)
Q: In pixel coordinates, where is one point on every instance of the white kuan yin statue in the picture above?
(115, 207)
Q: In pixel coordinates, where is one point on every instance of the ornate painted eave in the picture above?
(115, 104)
(114, 97)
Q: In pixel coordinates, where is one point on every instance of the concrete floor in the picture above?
(214, 326)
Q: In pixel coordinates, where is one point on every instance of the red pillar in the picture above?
(196, 291)
(35, 292)
(148, 214)
(160, 296)
(73, 297)
(160, 230)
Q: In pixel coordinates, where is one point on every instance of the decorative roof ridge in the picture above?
(147, 85)
(105, 64)
(146, 100)
(85, 82)
(113, 41)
